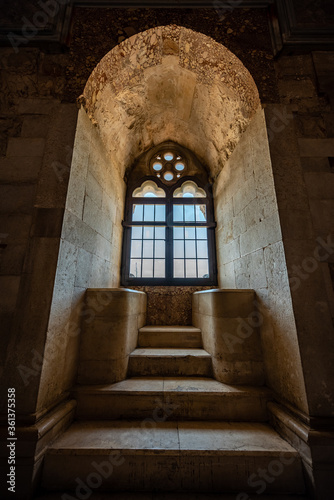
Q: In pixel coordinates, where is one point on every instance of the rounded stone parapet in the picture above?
(115, 301)
(230, 333)
(111, 319)
(224, 303)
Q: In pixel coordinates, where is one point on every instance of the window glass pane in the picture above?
(169, 176)
(160, 213)
(191, 268)
(149, 243)
(148, 232)
(178, 249)
(135, 268)
(160, 233)
(147, 268)
(201, 233)
(178, 213)
(136, 248)
(203, 268)
(149, 212)
(147, 248)
(159, 268)
(202, 249)
(189, 233)
(190, 249)
(200, 213)
(178, 268)
(157, 166)
(137, 212)
(189, 213)
(136, 233)
(179, 166)
(159, 249)
(178, 233)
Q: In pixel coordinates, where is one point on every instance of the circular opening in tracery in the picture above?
(168, 156)
(168, 176)
(179, 166)
(157, 166)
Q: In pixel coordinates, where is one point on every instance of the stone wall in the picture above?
(33, 203)
(89, 254)
(250, 255)
(37, 128)
(301, 147)
(169, 305)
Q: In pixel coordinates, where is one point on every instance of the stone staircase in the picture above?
(171, 429)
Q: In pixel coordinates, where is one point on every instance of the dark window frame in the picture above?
(169, 201)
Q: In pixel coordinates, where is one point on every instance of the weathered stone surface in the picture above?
(20, 169)
(34, 85)
(293, 90)
(292, 66)
(320, 185)
(48, 222)
(316, 147)
(109, 334)
(58, 333)
(322, 212)
(17, 199)
(315, 164)
(192, 398)
(9, 293)
(230, 334)
(30, 147)
(53, 178)
(35, 126)
(176, 452)
(182, 101)
(310, 126)
(169, 305)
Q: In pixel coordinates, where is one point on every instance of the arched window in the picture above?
(169, 225)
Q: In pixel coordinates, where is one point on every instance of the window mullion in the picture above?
(196, 256)
(169, 240)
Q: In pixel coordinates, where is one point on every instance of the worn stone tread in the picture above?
(162, 352)
(149, 385)
(168, 496)
(228, 438)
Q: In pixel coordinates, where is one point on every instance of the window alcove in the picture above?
(169, 221)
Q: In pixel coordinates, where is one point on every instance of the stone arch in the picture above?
(171, 83)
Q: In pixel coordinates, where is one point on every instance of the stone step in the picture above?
(173, 456)
(170, 336)
(188, 398)
(135, 495)
(169, 362)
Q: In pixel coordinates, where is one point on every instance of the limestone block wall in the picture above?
(250, 255)
(229, 323)
(110, 335)
(32, 207)
(89, 254)
(301, 149)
